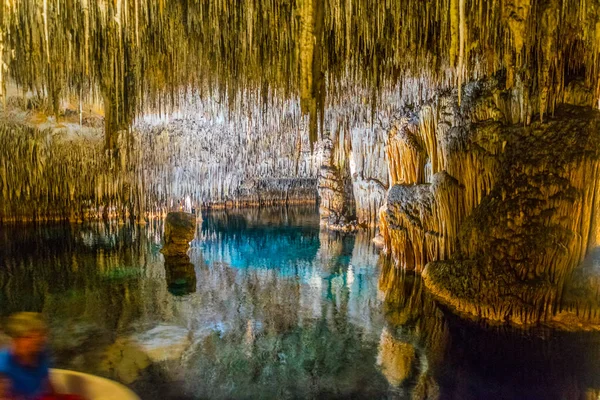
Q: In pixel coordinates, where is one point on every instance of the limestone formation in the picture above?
(506, 213)
(523, 242)
(337, 207)
(70, 177)
(180, 230)
(471, 122)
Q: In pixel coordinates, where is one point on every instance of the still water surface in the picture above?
(269, 306)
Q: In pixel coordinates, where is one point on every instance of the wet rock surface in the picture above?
(180, 230)
(508, 216)
(521, 245)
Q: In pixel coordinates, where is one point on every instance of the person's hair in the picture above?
(23, 323)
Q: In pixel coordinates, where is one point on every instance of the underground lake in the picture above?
(271, 306)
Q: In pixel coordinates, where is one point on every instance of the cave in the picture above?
(306, 199)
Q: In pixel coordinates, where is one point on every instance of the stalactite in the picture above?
(295, 50)
(422, 221)
(406, 156)
(157, 165)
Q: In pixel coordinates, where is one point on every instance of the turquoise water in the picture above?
(270, 306)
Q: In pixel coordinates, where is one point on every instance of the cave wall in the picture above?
(60, 170)
(497, 215)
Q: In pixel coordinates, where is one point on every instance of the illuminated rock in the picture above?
(180, 230)
(396, 359)
(519, 248)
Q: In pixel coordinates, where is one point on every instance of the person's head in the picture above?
(28, 332)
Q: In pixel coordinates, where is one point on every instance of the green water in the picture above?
(269, 306)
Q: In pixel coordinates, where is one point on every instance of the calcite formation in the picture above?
(136, 56)
(159, 164)
(180, 230)
(521, 245)
(442, 162)
(336, 207)
(508, 213)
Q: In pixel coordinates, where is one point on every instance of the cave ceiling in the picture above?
(137, 56)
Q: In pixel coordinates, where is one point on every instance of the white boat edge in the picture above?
(91, 387)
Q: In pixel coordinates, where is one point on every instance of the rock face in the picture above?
(498, 216)
(525, 239)
(180, 230)
(336, 207)
(69, 176)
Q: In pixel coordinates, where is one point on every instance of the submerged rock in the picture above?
(128, 357)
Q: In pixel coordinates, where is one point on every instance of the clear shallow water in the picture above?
(270, 307)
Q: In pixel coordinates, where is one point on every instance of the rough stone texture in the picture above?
(442, 161)
(127, 357)
(159, 163)
(268, 192)
(417, 224)
(500, 213)
(521, 245)
(336, 207)
(180, 230)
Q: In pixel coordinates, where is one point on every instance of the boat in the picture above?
(88, 386)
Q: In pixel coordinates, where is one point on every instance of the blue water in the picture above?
(270, 306)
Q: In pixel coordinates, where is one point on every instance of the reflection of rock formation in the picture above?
(413, 343)
(181, 276)
(180, 229)
(397, 359)
(431, 354)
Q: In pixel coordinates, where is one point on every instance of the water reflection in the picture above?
(428, 353)
(180, 275)
(268, 306)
